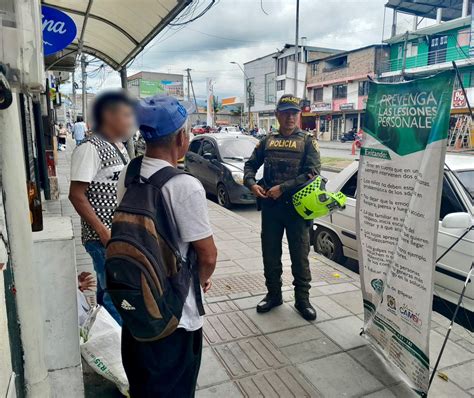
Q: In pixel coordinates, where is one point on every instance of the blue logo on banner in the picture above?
(59, 30)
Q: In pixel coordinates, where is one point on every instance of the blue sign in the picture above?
(59, 30)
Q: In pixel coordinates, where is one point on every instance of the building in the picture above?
(446, 37)
(337, 88)
(145, 84)
(269, 77)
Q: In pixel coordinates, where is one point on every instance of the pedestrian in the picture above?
(95, 167)
(290, 157)
(62, 135)
(169, 367)
(79, 130)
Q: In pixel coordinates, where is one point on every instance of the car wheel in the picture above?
(328, 244)
(223, 196)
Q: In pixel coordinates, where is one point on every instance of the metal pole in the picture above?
(84, 88)
(404, 60)
(73, 97)
(189, 92)
(130, 142)
(465, 8)
(394, 23)
(468, 279)
(296, 46)
(17, 215)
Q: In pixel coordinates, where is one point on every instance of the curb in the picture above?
(331, 169)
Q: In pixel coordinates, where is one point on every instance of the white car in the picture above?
(335, 236)
(229, 129)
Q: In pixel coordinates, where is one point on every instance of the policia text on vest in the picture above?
(288, 161)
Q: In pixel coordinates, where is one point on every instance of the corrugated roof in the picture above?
(113, 30)
(427, 8)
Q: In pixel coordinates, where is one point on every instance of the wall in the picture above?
(257, 70)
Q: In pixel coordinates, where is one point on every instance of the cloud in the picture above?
(238, 30)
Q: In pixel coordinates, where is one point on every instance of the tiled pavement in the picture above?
(279, 354)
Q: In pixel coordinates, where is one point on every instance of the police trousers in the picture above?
(278, 217)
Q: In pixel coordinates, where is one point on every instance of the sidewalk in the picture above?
(279, 354)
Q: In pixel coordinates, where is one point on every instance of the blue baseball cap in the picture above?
(159, 116)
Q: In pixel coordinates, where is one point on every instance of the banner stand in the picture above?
(468, 279)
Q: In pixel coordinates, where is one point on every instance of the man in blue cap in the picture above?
(169, 367)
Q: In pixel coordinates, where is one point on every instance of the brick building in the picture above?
(337, 88)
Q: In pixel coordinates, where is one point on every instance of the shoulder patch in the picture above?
(315, 143)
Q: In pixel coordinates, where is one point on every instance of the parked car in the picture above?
(200, 129)
(335, 236)
(217, 160)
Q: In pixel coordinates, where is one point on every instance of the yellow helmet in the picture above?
(312, 200)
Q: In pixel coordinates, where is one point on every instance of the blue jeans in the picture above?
(97, 251)
(79, 141)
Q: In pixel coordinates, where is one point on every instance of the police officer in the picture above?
(290, 157)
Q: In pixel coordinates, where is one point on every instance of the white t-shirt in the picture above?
(185, 199)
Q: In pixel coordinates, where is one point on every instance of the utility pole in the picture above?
(84, 87)
(296, 45)
(130, 142)
(187, 78)
(190, 82)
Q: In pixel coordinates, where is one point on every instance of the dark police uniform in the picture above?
(287, 160)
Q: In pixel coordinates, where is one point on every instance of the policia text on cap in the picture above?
(290, 157)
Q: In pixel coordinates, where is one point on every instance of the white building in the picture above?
(269, 77)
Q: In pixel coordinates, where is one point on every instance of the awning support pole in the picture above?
(130, 142)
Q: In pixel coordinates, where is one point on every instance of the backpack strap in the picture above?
(133, 171)
(162, 176)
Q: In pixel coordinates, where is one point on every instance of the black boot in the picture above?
(306, 310)
(268, 302)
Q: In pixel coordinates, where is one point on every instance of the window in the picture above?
(194, 146)
(364, 88)
(280, 85)
(449, 200)
(336, 63)
(208, 147)
(412, 49)
(339, 91)
(318, 94)
(466, 177)
(467, 80)
(281, 66)
(270, 88)
(314, 68)
(400, 52)
(350, 187)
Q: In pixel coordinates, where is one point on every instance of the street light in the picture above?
(248, 89)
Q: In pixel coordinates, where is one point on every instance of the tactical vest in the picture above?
(283, 157)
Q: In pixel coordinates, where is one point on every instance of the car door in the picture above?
(452, 269)
(211, 166)
(193, 159)
(344, 220)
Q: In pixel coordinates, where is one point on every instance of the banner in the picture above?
(399, 189)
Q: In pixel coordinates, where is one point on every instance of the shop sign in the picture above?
(459, 100)
(347, 107)
(321, 107)
(59, 30)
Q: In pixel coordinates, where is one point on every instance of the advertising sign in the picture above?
(59, 30)
(398, 200)
(321, 107)
(166, 87)
(347, 107)
(459, 100)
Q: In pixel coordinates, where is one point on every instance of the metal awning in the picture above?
(427, 8)
(113, 30)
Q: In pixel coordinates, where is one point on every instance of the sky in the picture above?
(239, 30)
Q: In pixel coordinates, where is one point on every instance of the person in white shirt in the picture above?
(169, 367)
(79, 130)
(95, 167)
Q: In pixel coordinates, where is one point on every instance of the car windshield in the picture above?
(467, 180)
(236, 148)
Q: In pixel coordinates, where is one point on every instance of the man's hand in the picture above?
(206, 286)
(104, 236)
(86, 281)
(274, 192)
(258, 191)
